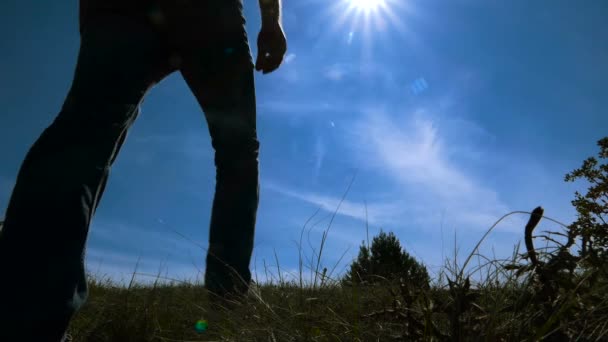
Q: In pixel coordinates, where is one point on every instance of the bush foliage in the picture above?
(385, 260)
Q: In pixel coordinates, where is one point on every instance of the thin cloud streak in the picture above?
(284, 108)
(377, 213)
(338, 72)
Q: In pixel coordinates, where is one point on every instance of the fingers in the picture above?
(267, 62)
(271, 49)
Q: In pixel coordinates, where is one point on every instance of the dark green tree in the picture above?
(592, 207)
(383, 261)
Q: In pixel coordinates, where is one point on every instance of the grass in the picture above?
(502, 307)
(509, 304)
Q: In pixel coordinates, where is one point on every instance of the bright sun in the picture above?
(367, 20)
(367, 5)
(366, 15)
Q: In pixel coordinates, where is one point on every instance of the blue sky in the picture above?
(450, 113)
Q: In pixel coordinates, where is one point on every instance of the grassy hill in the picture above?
(517, 301)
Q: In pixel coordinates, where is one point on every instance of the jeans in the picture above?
(62, 179)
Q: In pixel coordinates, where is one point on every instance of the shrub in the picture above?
(385, 260)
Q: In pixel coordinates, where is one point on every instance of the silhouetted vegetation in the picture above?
(554, 293)
(384, 261)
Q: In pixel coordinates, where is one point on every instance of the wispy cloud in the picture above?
(425, 160)
(335, 72)
(289, 71)
(297, 108)
(377, 213)
(289, 58)
(367, 71)
(412, 153)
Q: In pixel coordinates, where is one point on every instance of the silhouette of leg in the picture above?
(62, 179)
(220, 75)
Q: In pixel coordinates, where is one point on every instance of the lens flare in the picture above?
(201, 326)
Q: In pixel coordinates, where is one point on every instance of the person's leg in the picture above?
(62, 178)
(218, 68)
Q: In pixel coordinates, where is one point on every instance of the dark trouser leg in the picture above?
(220, 75)
(61, 180)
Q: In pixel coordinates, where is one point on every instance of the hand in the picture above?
(272, 46)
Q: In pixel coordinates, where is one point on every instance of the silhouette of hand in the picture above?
(272, 46)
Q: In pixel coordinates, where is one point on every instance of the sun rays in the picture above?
(366, 5)
(363, 22)
(370, 15)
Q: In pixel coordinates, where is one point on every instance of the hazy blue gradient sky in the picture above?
(454, 112)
